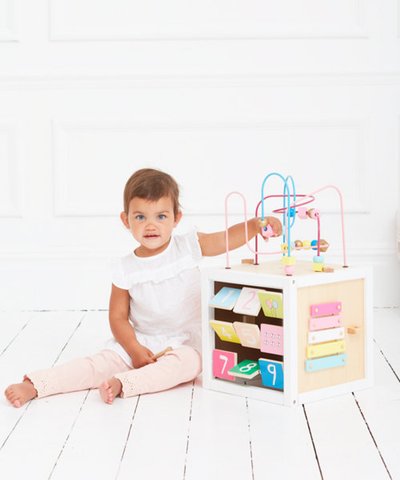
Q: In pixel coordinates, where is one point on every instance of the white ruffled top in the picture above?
(165, 308)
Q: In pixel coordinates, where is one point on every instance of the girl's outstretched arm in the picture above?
(214, 243)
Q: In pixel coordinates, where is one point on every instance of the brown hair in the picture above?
(151, 184)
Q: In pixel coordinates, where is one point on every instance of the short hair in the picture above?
(151, 184)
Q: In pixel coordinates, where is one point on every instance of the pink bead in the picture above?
(302, 212)
(267, 231)
(289, 270)
(313, 213)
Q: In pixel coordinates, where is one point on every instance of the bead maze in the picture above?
(293, 207)
(282, 331)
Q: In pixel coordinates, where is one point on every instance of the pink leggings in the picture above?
(177, 366)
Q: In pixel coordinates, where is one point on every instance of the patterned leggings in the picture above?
(177, 366)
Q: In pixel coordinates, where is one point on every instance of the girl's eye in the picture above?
(162, 216)
(139, 217)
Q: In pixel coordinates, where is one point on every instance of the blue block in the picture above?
(326, 362)
(271, 373)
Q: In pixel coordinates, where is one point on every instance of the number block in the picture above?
(222, 362)
(271, 339)
(225, 331)
(226, 298)
(249, 334)
(246, 369)
(271, 373)
(248, 302)
(271, 303)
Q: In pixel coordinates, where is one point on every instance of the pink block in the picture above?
(271, 339)
(322, 309)
(223, 361)
(322, 323)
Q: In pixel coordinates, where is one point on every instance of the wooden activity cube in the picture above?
(311, 339)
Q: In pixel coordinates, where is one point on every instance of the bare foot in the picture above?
(110, 389)
(20, 393)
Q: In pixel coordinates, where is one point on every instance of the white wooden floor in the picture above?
(188, 432)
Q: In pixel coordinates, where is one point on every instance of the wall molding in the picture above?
(128, 81)
(8, 25)
(12, 206)
(185, 29)
(63, 130)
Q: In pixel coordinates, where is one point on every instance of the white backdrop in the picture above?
(218, 93)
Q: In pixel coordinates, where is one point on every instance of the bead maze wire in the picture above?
(289, 210)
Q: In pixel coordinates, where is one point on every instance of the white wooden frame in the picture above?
(269, 276)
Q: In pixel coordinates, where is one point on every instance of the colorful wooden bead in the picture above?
(289, 270)
(323, 245)
(313, 213)
(306, 244)
(302, 212)
(328, 269)
(288, 260)
(317, 267)
(284, 247)
(262, 222)
(298, 244)
(314, 244)
(267, 231)
(318, 259)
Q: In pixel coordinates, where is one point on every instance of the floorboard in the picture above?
(189, 433)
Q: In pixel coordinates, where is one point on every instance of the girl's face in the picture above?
(151, 224)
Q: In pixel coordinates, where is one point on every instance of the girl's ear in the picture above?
(178, 217)
(124, 217)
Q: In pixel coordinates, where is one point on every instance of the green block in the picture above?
(246, 369)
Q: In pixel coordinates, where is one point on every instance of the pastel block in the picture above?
(246, 369)
(288, 260)
(271, 303)
(226, 298)
(248, 302)
(271, 339)
(325, 349)
(271, 373)
(326, 362)
(222, 362)
(317, 267)
(322, 309)
(225, 331)
(328, 335)
(322, 323)
(249, 334)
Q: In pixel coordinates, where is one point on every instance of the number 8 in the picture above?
(247, 368)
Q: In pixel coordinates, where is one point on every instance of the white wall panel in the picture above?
(189, 19)
(218, 93)
(92, 161)
(10, 174)
(8, 27)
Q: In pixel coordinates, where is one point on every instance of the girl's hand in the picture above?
(141, 356)
(272, 227)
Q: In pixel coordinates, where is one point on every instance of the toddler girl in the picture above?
(154, 302)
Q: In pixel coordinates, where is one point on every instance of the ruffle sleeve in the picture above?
(119, 277)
